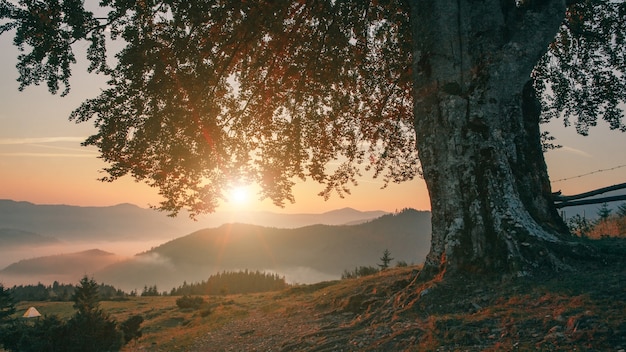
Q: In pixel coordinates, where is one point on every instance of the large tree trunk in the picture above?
(477, 126)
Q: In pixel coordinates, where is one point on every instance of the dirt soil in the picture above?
(583, 310)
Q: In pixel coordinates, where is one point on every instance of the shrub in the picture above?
(359, 272)
(401, 264)
(130, 328)
(193, 302)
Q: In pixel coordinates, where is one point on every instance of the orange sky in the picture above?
(41, 160)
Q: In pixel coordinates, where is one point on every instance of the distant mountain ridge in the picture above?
(19, 238)
(290, 221)
(124, 222)
(74, 223)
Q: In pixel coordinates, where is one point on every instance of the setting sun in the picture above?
(239, 195)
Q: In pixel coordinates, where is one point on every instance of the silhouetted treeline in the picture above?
(59, 292)
(151, 291)
(233, 282)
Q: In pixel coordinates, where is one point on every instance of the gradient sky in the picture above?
(41, 160)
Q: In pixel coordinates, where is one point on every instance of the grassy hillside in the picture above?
(579, 310)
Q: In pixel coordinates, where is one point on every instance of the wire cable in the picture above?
(589, 173)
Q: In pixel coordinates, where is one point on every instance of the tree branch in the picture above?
(590, 201)
(559, 198)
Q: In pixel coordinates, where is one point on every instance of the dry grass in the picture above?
(583, 310)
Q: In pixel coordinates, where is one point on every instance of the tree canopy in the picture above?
(583, 75)
(207, 94)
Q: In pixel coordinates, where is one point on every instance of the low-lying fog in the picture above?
(168, 278)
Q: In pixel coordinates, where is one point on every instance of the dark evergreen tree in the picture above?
(7, 304)
(48, 334)
(621, 210)
(91, 329)
(604, 212)
(385, 259)
(85, 297)
(7, 309)
(150, 291)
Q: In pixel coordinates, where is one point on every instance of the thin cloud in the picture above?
(39, 140)
(575, 151)
(48, 155)
(72, 149)
(47, 143)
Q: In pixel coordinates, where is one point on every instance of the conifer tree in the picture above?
(91, 329)
(7, 308)
(385, 259)
(621, 210)
(604, 212)
(7, 305)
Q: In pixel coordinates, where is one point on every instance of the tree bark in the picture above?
(477, 129)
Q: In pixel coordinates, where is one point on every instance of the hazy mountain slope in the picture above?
(335, 217)
(67, 268)
(72, 223)
(10, 238)
(306, 254)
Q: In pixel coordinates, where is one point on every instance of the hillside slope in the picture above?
(304, 255)
(10, 238)
(577, 310)
(580, 310)
(64, 268)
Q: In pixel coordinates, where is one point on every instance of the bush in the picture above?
(579, 226)
(193, 302)
(359, 272)
(130, 328)
(401, 264)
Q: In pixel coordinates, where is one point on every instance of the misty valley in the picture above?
(128, 247)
